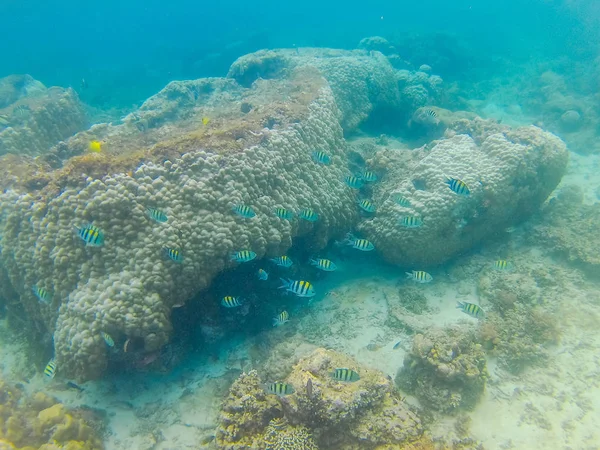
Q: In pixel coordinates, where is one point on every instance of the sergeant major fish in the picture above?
(231, 302)
(354, 182)
(173, 254)
(283, 261)
(471, 309)
(281, 318)
(502, 265)
(283, 213)
(309, 215)
(369, 176)
(321, 157)
(360, 244)
(244, 211)
(50, 370)
(323, 264)
(367, 205)
(299, 287)
(458, 186)
(243, 256)
(42, 294)
(280, 389)
(91, 235)
(346, 375)
(157, 215)
(411, 221)
(419, 276)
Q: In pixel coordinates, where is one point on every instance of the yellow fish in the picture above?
(205, 120)
(95, 146)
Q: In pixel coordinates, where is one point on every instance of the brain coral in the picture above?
(509, 173)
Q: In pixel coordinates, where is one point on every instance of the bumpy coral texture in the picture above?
(338, 415)
(41, 422)
(445, 369)
(127, 287)
(509, 173)
(361, 82)
(52, 115)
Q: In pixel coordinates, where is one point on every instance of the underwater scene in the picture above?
(303, 226)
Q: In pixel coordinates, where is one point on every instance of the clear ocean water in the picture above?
(316, 225)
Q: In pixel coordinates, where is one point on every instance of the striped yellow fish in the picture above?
(323, 264)
(50, 370)
(367, 205)
(231, 302)
(243, 256)
(411, 221)
(346, 375)
(458, 186)
(503, 265)
(281, 318)
(309, 215)
(157, 215)
(244, 211)
(321, 157)
(107, 339)
(280, 389)
(471, 309)
(283, 213)
(91, 235)
(401, 200)
(173, 254)
(353, 182)
(301, 288)
(283, 261)
(369, 176)
(42, 294)
(360, 244)
(419, 276)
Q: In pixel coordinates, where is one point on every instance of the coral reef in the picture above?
(576, 240)
(38, 118)
(510, 173)
(41, 422)
(445, 369)
(328, 414)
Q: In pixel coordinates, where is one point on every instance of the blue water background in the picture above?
(128, 50)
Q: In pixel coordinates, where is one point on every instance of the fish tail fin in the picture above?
(460, 305)
(408, 274)
(286, 283)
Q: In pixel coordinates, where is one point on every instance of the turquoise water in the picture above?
(429, 168)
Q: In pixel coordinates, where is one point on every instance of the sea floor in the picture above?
(552, 406)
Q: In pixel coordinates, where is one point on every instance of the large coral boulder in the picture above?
(509, 174)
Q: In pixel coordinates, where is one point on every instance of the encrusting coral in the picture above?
(322, 412)
(445, 369)
(40, 422)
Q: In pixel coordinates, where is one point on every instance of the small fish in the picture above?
(231, 302)
(281, 318)
(72, 385)
(83, 84)
(280, 389)
(4, 120)
(262, 275)
(373, 347)
(21, 111)
(205, 120)
(244, 211)
(173, 254)
(369, 176)
(411, 221)
(431, 113)
(42, 294)
(95, 146)
(283, 213)
(397, 345)
(309, 215)
(502, 265)
(419, 276)
(471, 309)
(309, 388)
(243, 256)
(367, 205)
(91, 235)
(301, 288)
(361, 244)
(157, 215)
(353, 182)
(343, 374)
(321, 157)
(283, 261)
(401, 200)
(50, 370)
(323, 264)
(107, 339)
(458, 186)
